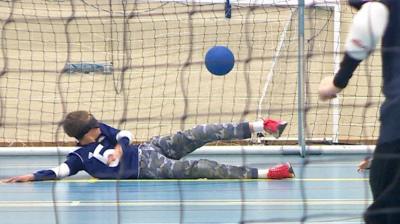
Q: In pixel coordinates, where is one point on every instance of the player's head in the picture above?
(76, 124)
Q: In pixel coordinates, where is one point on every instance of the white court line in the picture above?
(152, 203)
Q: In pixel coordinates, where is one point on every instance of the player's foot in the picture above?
(281, 171)
(274, 127)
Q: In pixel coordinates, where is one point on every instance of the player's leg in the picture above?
(385, 184)
(155, 165)
(182, 143)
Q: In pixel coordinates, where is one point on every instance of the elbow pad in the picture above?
(124, 134)
(61, 171)
(368, 27)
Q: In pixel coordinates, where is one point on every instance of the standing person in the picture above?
(373, 21)
(107, 153)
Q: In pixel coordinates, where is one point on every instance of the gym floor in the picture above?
(327, 189)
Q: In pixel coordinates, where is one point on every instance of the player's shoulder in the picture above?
(107, 129)
(76, 155)
(83, 151)
(105, 126)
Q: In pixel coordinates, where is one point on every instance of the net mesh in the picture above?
(156, 76)
(139, 65)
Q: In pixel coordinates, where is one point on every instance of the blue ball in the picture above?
(219, 60)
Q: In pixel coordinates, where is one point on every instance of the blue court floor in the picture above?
(327, 189)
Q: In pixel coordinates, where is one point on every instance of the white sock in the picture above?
(262, 173)
(258, 126)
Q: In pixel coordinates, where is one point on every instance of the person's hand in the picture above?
(363, 165)
(327, 90)
(22, 178)
(113, 159)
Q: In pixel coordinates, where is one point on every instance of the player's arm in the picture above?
(70, 167)
(367, 28)
(21, 178)
(123, 138)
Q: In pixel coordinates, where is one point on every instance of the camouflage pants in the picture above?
(161, 156)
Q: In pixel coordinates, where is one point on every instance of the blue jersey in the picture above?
(92, 158)
(390, 110)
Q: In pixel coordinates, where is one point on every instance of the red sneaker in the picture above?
(281, 171)
(274, 127)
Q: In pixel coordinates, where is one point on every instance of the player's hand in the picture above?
(22, 178)
(114, 158)
(327, 90)
(363, 165)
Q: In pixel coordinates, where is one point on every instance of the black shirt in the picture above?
(390, 110)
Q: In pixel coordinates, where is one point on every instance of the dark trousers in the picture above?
(385, 185)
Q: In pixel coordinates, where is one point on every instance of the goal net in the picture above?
(139, 65)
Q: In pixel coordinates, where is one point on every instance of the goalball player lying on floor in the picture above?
(107, 153)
